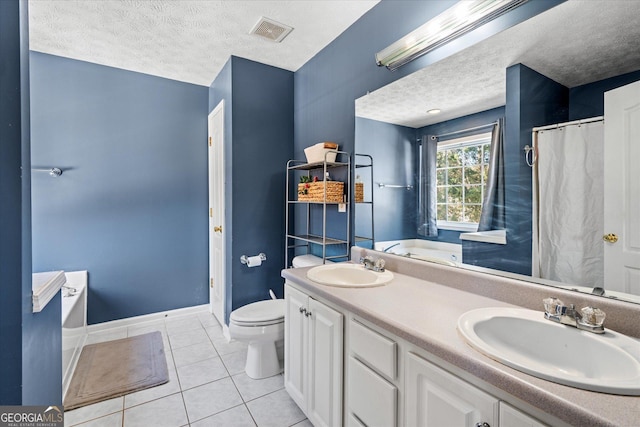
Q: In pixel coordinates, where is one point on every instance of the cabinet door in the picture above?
(295, 345)
(435, 397)
(511, 417)
(324, 404)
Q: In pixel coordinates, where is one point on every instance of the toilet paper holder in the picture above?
(245, 259)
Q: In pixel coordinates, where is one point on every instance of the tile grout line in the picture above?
(219, 412)
(202, 326)
(175, 367)
(123, 400)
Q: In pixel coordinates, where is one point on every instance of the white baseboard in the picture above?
(120, 323)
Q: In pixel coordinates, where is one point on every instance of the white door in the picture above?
(216, 213)
(622, 189)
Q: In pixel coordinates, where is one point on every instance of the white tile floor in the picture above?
(207, 384)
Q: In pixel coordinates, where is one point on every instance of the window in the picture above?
(462, 167)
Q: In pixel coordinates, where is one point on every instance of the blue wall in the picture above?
(131, 204)
(258, 143)
(393, 149)
(262, 144)
(327, 86)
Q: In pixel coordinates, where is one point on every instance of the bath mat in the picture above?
(114, 368)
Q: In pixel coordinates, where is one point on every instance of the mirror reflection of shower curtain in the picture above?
(493, 216)
(568, 204)
(427, 222)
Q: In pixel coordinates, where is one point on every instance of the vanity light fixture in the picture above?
(434, 111)
(460, 19)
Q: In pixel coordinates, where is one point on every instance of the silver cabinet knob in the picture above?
(482, 424)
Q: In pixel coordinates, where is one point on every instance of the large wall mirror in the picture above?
(514, 87)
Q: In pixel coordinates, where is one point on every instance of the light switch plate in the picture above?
(342, 207)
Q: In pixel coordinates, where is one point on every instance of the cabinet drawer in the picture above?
(373, 348)
(372, 399)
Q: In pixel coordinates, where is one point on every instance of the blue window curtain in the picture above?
(492, 216)
(427, 225)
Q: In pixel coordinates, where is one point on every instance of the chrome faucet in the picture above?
(374, 265)
(589, 319)
(389, 247)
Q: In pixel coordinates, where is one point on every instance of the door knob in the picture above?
(611, 238)
(217, 229)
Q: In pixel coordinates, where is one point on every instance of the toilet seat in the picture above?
(256, 324)
(261, 313)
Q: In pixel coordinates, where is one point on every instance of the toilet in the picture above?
(261, 325)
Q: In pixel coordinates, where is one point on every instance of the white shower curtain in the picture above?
(568, 204)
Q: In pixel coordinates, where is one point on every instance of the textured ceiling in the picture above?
(577, 42)
(186, 40)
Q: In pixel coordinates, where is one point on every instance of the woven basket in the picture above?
(315, 191)
(359, 192)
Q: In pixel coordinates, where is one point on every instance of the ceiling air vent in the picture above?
(270, 29)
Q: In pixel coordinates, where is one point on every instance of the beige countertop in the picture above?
(425, 314)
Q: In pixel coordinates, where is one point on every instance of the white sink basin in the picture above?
(526, 341)
(348, 276)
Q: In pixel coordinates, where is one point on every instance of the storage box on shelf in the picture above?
(359, 193)
(315, 191)
(322, 151)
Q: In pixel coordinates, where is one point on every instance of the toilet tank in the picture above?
(306, 261)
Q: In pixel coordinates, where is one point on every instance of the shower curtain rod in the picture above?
(530, 153)
(465, 130)
(573, 123)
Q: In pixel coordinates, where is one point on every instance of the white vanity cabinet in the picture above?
(313, 357)
(435, 397)
(387, 381)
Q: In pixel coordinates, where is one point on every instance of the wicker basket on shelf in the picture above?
(314, 191)
(359, 193)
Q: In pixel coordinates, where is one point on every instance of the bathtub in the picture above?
(74, 322)
(426, 250)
